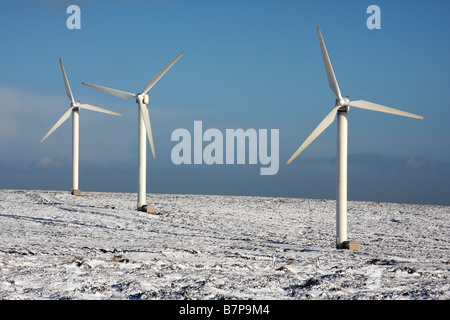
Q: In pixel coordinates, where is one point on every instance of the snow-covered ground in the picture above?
(97, 246)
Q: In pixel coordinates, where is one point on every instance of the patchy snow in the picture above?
(97, 246)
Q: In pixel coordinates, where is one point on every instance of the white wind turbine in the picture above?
(143, 126)
(341, 107)
(74, 109)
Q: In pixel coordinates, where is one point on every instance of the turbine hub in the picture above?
(142, 98)
(343, 103)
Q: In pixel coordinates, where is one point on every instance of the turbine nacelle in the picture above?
(142, 98)
(343, 104)
(75, 106)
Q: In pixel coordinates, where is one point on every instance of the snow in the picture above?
(97, 246)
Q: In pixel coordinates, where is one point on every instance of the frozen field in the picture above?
(96, 246)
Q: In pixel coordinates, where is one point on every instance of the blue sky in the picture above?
(247, 64)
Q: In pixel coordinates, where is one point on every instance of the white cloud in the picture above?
(413, 164)
(24, 119)
(20, 109)
(9, 105)
(45, 161)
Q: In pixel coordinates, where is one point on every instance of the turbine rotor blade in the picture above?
(94, 108)
(66, 83)
(317, 131)
(332, 82)
(377, 107)
(156, 78)
(61, 120)
(119, 93)
(146, 117)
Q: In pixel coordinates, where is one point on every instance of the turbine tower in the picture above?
(340, 109)
(74, 110)
(143, 126)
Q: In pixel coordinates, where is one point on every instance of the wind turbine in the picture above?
(342, 105)
(74, 109)
(143, 126)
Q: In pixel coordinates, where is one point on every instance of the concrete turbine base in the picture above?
(147, 208)
(76, 192)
